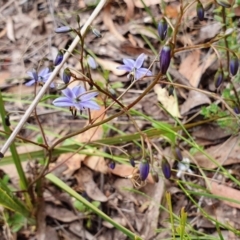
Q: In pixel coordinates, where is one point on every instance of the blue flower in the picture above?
(40, 77)
(134, 67)
(77, 98)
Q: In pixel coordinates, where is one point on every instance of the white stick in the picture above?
(48, 82)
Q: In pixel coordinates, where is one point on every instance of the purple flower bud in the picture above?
(166, 169)
(66, 75)
(132, 162)
(233, 66)
(236, 109)
(162, 29)
(91, 62)
(178, 154)
(112, 165)
(165, 58)
(144, 169)
(58, 58)
(219, 77)
(224, 3)
(200, 11)
(155, 176)
(63, 29)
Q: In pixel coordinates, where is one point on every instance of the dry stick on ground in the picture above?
(49, 81)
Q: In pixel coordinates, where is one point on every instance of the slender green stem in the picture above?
(15, 156)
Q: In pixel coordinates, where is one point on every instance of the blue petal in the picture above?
(46, 76)
(88, 96)
(63, 102)
(52, 85)
(30, 83)
(142, 72)
(90, 105)
(125, 68)
(129, 62)
(139, 61)
(68, 93)
(33, 74)
(43, 72)
(78, 106)
(77, 91)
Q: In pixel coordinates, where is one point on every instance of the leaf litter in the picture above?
(84, 171)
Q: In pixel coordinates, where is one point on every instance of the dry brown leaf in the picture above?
(188, 67)
(168, 101)
(225, 191)
(10, 29)
(141, 29)
(192, 69)
(210, 132)
(3, 32)
(224, 154)
(172, 11)
(73, 161)
(108, 22)
(94, 162)
(194, 99)
(139, 4)
(130, 10)
(3, 76)
(111, 66)
(60, 213)
(132, 50)
(85, 181)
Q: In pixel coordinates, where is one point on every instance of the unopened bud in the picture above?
(162, 29)
(63, 29)
(112, 165)
(166, 168)
(91, 62)
(234, 65)
(144, 169)
(236, 110)
(178, 154)
(200, 11)
(218, 80)
(165, 58)
(58, 58)
(66, 75)
(132, 162)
